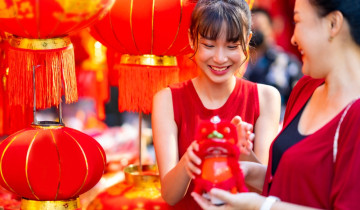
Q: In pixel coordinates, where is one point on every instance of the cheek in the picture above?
(237, 56)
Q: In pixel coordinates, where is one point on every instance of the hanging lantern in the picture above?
(148, 35)
(49, 162)
(139, 191)
(39, 29)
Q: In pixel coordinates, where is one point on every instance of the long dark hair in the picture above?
(349, 8)
(209, 15)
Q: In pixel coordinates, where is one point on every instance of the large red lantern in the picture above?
(50, 162)
(148, 35)
(39, 29)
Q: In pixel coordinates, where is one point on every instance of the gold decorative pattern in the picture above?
(148, 60)
(70, 204)
(2, 156)
(86, 163)
(26, 165)
(19, 9)
(177, 32)
(40, 44)
(72, 9)
(58, 153)
(20, 16)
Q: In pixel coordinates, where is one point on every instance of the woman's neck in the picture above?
(213, 95)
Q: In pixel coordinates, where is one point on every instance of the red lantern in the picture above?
(148, 34)
(140, 190)
(39, 29)
(49, 162)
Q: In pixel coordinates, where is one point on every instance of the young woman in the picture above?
(314, 161)
(219, 34)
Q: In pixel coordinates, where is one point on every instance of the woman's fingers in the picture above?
(225, 196)
(245, 134)
(203, 203)
(192, 160)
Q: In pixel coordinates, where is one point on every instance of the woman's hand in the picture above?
(245, 135)
(192, 160)
(232, 201)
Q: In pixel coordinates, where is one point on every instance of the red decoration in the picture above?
(39, 29)
(140, 190)
(50, 163)
(220, 154)
(148, 35)
(91, 69)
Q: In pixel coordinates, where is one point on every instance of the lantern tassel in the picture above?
(139, 83)
(55, 67)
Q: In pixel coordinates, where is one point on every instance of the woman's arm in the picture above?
(267, 125)
(165, 138)
(254, 174)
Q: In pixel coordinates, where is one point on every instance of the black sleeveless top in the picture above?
(289, 137)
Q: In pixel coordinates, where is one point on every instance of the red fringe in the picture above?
(138, 84)
(56, 67)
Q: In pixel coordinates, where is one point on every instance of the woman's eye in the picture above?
(208, 45)
(233, 46)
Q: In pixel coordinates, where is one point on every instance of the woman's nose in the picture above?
(293, 42)
(220, 55)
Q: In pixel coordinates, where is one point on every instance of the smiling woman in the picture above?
(314, 161)
(219, 34)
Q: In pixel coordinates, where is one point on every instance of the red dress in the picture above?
(306, 173)
(189, 112)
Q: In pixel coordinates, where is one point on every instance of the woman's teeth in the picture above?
(219, 68)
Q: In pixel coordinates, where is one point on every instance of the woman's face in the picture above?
(219, 59)
(311, 37)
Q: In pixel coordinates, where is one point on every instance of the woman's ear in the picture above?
(191, 41)
(335, 23)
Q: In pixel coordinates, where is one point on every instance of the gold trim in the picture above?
(86, 163)
(148, 60)
(102, 156)
(55, 205)
(152, 26)
(148, 174)
(58, 153)
(131, 28)
(26, 165)
(178, 30)
(112, 30)
(40, 44)
(47, 127)
(2, 156)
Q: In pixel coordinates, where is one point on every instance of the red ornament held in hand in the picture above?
(219, 153)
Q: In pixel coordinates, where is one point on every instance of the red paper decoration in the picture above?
(50, 163)
(148, 34)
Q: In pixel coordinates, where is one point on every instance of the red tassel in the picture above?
(56, 67)
(139, 83)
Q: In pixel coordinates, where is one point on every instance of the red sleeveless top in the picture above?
(189, 112)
